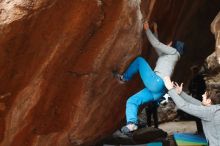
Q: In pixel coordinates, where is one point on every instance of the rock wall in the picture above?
(57, 58)
(213, 60)
(215, 28)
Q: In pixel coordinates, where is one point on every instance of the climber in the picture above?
(153, 80)
(208, 110)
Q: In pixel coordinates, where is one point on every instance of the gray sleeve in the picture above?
(190, 98)
(159, 53)
(160, 47)
(199, 111)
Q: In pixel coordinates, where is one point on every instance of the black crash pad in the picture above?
(141, 136)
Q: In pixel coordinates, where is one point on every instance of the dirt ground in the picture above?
(180, 126)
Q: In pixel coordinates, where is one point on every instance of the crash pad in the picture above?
(189, 139)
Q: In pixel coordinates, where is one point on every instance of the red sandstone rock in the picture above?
(57, 57)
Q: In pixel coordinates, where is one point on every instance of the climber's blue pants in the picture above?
(154, 88)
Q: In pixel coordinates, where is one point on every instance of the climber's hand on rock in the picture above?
(146, 25)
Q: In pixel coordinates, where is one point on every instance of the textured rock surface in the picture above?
(215, 28)
(213, 61)
(56, 58)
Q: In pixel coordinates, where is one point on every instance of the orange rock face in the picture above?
(57, 58)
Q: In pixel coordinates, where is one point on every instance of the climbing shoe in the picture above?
(129, 129)
(119, 77)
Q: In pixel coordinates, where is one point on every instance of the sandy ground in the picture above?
(180, 126)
